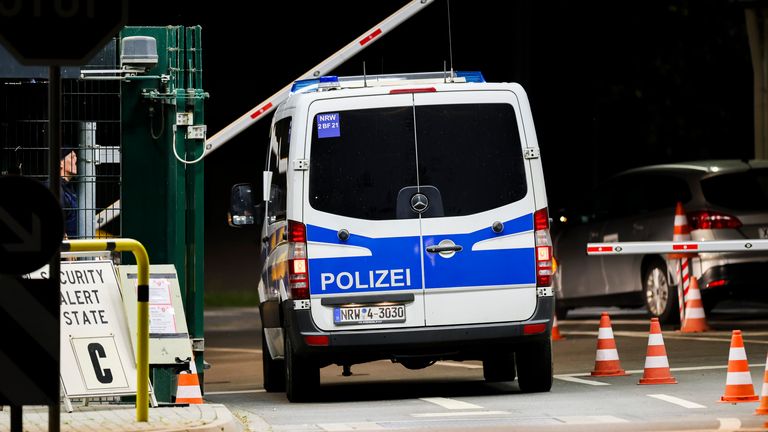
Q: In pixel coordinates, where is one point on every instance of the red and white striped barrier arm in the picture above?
(323, 68)
(640, 248)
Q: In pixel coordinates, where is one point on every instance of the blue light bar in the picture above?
(332, 81)
(471, 76)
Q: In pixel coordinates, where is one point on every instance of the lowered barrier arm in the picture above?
(635, 248)
(142, 345)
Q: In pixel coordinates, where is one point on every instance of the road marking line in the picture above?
(729, 424)
(461, 414)
(677, 401)
(234, 392)
(678, 369)
(579, 380)
(460, 365)
(667, 336)
(591, 419)
(451, 404)
(350, 426)
(235, 350)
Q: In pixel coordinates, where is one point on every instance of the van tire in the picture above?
(659, 293)
(499, 367)
(534, 366)
(273, 370)
(302, 377)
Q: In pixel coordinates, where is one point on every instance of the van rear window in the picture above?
(361, 159)
(358, 171)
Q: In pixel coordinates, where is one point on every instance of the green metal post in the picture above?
(162, 197)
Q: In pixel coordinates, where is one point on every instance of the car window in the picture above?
(279, 167)
(491, 175)
(738, 191)
(636, 194)
(360, 161)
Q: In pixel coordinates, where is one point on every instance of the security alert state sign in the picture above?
(96, 354)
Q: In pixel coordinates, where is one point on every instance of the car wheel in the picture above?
(534, 366)
(273, 370)
(499, 367)
(302, 377)
(660, 294)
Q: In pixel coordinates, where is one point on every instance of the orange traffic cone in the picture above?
(556, 336)
(188, 390)
(681, 231)
(656, 363)
(763, 408)
(738, 384)
(607, 357)
(695, 319)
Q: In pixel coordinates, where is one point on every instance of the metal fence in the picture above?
(90, 127)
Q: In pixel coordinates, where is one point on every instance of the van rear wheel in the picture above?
(273, 370)
(534, 366)
(302, 377)
(499, 367)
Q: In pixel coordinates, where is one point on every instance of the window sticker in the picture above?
(328, 125)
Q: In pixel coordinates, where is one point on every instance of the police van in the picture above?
(404, 218)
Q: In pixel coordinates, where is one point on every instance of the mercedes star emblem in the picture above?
(419, 202)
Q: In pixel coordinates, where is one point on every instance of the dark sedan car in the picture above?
(724, 200)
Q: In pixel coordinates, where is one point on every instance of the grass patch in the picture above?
(231, 298)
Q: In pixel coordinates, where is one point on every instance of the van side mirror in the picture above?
(242, 211)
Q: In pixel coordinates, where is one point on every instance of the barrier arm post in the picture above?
(142, 294)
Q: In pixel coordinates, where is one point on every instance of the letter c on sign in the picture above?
(96, 351)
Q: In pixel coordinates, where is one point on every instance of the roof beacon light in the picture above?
(329, 82)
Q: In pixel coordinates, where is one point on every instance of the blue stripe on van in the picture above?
(395, 263)
(483, 267)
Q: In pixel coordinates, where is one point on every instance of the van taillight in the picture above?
(298, 274)
(543, 248)
(708, 219)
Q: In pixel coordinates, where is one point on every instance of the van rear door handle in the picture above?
(447, 248)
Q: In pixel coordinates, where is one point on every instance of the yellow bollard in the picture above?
(142, 347)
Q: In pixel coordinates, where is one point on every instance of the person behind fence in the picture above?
(68, 170)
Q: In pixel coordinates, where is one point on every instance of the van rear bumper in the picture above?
(460, 342)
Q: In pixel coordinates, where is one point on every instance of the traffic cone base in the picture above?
(607, 357)
(188, 390)
(656, 363)
(738, 383)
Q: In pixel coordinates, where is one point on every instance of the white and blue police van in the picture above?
(404, 218)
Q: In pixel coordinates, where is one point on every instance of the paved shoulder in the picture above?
(198, 418)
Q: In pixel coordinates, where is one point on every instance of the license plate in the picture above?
(369, 315)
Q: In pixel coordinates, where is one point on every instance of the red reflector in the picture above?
(370, 37)
(413, 90)
(599, 249)
(322, 340)
(685, 247)
(541, 219)
(530, 329)
(717, 283)
(261, 110)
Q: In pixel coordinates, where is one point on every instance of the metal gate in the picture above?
(90, 127)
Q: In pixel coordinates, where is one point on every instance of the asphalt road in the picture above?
(453, 395)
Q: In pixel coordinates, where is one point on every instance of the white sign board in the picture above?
(96, 354)
(168, 337)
